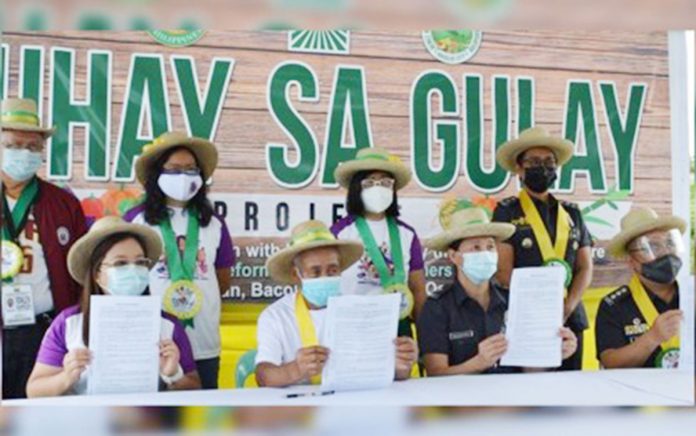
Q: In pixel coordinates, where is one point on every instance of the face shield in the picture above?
(657, 244)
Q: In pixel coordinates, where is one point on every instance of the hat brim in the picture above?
(205, 152)
(344, 172)
(280, 264)
(442, 241)
(46, 131)
(617, 245)
(80, 253)
(507, 153)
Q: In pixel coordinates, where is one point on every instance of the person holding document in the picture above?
(638, 324)
(393, 260)
(113, 258)
(289, 351)
(549, 232)
(461, 330)
(195, 270)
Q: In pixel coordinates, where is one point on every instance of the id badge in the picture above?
(17, 305)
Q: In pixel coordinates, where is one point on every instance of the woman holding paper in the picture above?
(461, 329)
(113, 258)
(393, 260)
(195, 270)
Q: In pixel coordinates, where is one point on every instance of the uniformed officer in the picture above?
(548, 231)
(638, 324)
(461, 329)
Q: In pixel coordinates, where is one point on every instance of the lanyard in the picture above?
(385, 277)
(181, 269)
(541, 234)
(308, 334)
(647, 310)
(15, 220)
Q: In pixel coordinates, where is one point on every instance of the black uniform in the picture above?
(527, 252)
(453, 323)
(619, 321)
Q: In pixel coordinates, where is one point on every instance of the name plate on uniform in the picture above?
(17, 305)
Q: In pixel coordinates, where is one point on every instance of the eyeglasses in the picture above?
(35, 147)
(143, 261)
(385, 183)
(536, 162)
(178, 171)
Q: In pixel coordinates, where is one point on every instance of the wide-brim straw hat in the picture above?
(531, 138)
(81, 252)
(21, 114)
(204, 150)
(639, 221)
(373, 159)
(470, 222)
(307, 236)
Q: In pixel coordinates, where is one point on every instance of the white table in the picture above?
(631, 387)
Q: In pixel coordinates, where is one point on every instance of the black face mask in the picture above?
(663, 270)
(539, 179)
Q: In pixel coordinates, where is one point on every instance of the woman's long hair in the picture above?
(90, 281)
(156, 201)
(354, 203)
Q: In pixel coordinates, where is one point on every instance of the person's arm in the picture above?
(416, 283)
(52, 381)
(308, 363)
(224, 278)
(191, 381)
(172, 360)
(490, 350)
(636, 353)
(506, 263)
(581, 281)
(406, 356)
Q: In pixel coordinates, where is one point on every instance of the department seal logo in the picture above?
(176, 38)
(452, 46)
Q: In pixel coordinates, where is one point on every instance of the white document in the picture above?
(359, 331)
(686, 331)
(123, 338)
(534, 318)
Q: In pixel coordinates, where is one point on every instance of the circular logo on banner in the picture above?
(176, 38)
(452, 46)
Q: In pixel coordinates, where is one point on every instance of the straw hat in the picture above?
(530, 138)
(21, 114)
(639, 221)
(307, 236)
(81, 252)
(470, 222)
(204, 150)
(373, 159)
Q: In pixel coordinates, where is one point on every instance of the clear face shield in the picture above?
(657, 244)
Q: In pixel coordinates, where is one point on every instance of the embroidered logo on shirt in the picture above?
(453, 336)
(63, 235)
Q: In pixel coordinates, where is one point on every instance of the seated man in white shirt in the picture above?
(288, 350)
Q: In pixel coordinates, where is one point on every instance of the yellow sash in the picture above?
(648, 311)
(308, 335)
(548, 251)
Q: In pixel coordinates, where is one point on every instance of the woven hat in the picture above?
(373, 159)
(639, 221)
(204, 150)
(531, 138)
(81, 252)
(307, 236)
(470, 222)
(21, 114)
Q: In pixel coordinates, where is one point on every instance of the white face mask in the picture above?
(180, 187)
(377, 199)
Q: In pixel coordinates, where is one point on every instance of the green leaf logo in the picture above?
(319, 41)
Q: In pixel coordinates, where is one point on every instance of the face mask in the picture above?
(180, 187)
(377, 198)
(480, 266)
(662, 270)
(317, 291)
(20, 164)
(539, 179)
(128, 280)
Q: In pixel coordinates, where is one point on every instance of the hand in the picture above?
(406, 356)
(569, 344)
(491, 349)
(74, 364)
(169, 357)
(310, 360)
(666, 325)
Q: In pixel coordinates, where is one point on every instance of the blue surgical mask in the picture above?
(317, 291)
(479, 266)
(127, 280)
(20, 164)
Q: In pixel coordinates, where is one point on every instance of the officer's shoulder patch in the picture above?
(616, 296)
(570, 205)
